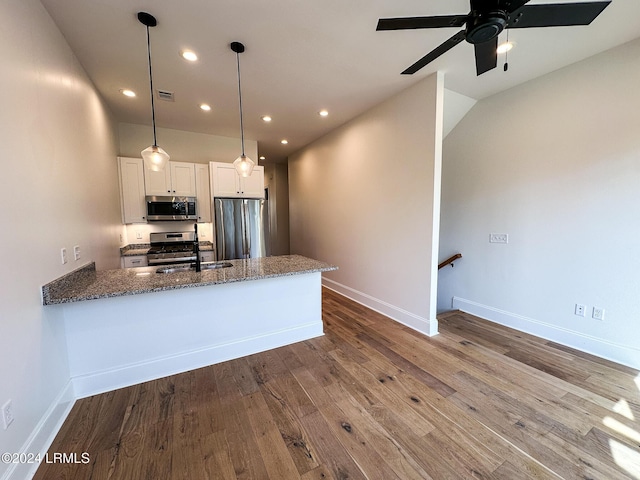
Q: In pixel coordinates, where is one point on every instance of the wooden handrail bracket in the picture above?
(450, 260)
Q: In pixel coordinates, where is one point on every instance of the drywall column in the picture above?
(366, 197)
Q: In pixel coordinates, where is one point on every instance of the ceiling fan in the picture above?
(487, 19)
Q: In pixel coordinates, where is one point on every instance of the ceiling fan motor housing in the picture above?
(485, 26)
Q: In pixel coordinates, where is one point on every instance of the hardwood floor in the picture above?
(371, 399)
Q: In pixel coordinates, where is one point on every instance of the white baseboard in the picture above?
(105, 381)
(43, 434)
(618, 353)
(411, 320)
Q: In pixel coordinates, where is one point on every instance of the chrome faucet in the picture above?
(196, 248)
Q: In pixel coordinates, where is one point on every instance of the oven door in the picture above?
(170, 259)
(170, 208)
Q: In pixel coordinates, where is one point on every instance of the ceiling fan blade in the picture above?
(512, 5)
(486, 56)
(557, 14)
(435, 53)
(408, 23)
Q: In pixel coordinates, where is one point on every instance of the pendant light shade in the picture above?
(243, 164)
(155, 158)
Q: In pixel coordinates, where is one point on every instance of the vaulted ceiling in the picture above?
(301, 57)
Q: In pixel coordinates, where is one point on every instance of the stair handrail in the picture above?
(450, 260)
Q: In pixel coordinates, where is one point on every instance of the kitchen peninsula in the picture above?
(128, 326)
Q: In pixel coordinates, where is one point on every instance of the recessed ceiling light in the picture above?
(262, 157)
(266, 118)
(189, 55)
(505, 47)
(284, 141)
(127, 93)
(323, 113)
(205, 107)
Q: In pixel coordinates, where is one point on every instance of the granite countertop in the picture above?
(142, 248)
(86, 283)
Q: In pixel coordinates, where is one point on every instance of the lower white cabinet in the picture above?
(206, 256)
(134, 261)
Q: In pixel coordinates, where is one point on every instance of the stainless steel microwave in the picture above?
(161, 208)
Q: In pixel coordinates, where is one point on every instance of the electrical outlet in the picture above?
(63, 255)
(499, 238)
(7, 414)
(76, 253)
(580, 309)
(598, 313)
(139, 235)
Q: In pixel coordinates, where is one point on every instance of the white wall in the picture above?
(366, 198)
(554, 163)
(59, 182)
(184, 146)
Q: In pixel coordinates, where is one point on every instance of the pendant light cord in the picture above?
(240, 97)
(153, 109)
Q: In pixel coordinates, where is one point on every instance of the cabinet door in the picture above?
(183, 179)
(206, 256)
(203, 193)
(224, 180)
(131, 172)
(158, 183)
(253, 185)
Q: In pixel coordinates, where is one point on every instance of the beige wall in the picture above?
(59, 175)
(366, 198)
(184, 146)
(555, 164)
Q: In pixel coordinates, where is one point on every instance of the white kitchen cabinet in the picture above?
(134, 261)
(178, 179)
(132, 190)
(225, 181)
(207, 256)
(203, 193)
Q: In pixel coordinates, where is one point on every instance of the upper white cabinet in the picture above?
(179, 179)
(225, 181)
(132, 202)
(203, 193)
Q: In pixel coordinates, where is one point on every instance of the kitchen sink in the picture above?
(192, 268)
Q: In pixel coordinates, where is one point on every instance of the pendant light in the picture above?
(244, 165)
(155, 158)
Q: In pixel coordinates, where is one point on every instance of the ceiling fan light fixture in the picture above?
(505, 47)
(189, 55)
(155, 158)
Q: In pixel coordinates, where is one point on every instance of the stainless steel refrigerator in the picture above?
(241, 228)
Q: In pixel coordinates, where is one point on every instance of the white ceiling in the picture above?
(301, 56)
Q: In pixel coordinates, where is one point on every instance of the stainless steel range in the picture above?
(171, 247)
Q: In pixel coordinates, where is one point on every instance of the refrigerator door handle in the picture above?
(247, 233)
(222, 247)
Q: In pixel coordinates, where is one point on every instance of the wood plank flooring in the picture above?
(371, 399)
